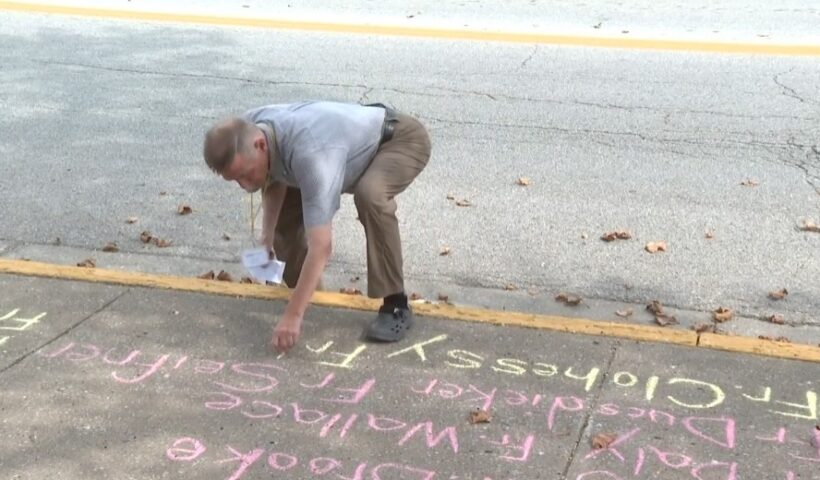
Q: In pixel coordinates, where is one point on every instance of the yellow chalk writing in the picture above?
(589, 377)
(632, 379)
(810, 407)
(548, 369)
(419, 347)
(509, 366)
(20, 323)
(462, 356)
(321, 349)
(719, 396)
(767, 396)
(348, 358)
(651, 386)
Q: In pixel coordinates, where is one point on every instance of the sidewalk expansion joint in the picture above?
(65, 332)
(592, 406)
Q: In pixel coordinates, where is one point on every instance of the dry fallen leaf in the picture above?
(224, 276)
(450, 196)
(778, 294)
(415, 296)
(463, 203)
(479, 416)
(777, 319)
(603, 440)
(443, 298)
(616, 235)
(145, 237)
(722, 314)
(523, 181)
(161, 243)
(701, 327)
(749, 183)
(510, 287)
(765, 337)
(444, 251)
(110, 247)
(162, 194)
(247, 280)
(209, 275)
(783, 339)
(131, 220)
(350, 291)
(87, 263)
(184, 210)
(810, 226)
(226, 237)
(625, 313)
(568, 299)
(665, 320)
(710, 235)
(655, 307)
(655, 247)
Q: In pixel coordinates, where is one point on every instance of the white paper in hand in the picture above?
(261, 267)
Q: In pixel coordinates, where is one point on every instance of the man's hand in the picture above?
(286, 332)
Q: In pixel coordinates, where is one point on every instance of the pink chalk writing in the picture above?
(259, 409)
(357, 394)
(189, 449)
(515, 452)
(432, 440)
(185, 450)
(728, 424)
(245, 460)
(282, 461)
(611, 447)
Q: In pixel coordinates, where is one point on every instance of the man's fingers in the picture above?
(283, 341)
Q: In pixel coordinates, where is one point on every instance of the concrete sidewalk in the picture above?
(103, 381)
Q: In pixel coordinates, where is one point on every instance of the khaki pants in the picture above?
(396, 164)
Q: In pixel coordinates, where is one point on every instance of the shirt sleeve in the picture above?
(319, 175)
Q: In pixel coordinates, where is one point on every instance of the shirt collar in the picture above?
(276, 171)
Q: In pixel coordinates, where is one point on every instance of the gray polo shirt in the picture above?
(323, 149)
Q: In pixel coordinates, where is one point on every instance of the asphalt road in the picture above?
(100, 117)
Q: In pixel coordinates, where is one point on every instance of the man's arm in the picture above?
(272, 201)
(320, 246)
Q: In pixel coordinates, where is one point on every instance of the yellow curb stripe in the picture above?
(429, 32)
(756, 346)
(571, 325)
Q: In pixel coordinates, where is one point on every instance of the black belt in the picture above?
(390, 118)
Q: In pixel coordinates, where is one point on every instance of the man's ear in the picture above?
(260, 143)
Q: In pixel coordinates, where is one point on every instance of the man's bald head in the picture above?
(225, 139)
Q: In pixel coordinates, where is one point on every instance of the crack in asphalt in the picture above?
(196, 75)
(493, 96)
(804, 164)
(788, 91)
(526, 60)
